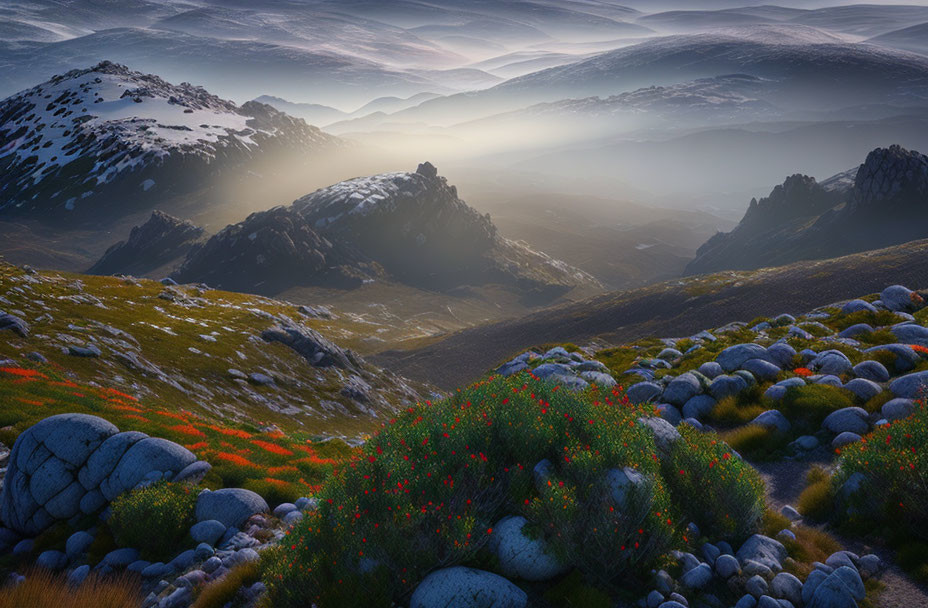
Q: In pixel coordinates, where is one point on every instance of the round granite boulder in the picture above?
(70, 464)
(231, 506)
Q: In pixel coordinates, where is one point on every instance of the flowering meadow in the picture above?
(279, 467)
(427, 490)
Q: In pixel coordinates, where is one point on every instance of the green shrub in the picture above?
(728, 412)
(722, 494)
(816, 502)
(154, 519)
(806, 407)
(223, 590)
(893, 465)
(754, 441)
(428, 489)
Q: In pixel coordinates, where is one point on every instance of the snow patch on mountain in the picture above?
(95, 125)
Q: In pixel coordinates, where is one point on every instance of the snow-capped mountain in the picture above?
(99, 141)
(408, 227)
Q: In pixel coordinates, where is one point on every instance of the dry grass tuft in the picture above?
(222, 591)
(42, 589)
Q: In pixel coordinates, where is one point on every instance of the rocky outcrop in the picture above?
(74, 464)
(802, 219)
(157, 242)
(312, 346)
(409, 227)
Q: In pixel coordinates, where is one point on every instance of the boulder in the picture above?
(670, 413)
(643, 392)
(208, 531)
(781, 354)
(734, 357)
(461, 587)
(520, 556)
(622, 483)
(906, 358)
(77, 544)
(898, 408)
(681, 389)
(900, 299)
(665, 435)
(698, 407)
(711, 369)
(864, 389)
(726, 386)
(773, 419)
(761, 369)
(52, 560)
(849, 419)
(546, 370)
(230, 506)
(764, 550)
(65, 465)
(845, 438)
(911, 386)
(871, 370)
(857, 306)
(861, 329)
(698, 577)
(911, 334)
(831, 362)
(13, 324)
(727, 566)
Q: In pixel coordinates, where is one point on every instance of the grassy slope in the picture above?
(190, 344)
(679, 307)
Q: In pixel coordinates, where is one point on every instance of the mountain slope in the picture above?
(238, 357)
(411, 227)
(678, 307)
(805, 220)
(103, 141)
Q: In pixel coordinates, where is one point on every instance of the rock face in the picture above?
(159, 241)
(74, 464)
(101, 142)
(411, 227)
(802, 219)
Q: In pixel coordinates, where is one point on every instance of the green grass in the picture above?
(127, 316)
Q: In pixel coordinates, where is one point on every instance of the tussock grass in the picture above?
(816, 501)
(42, 589)
(222, 591)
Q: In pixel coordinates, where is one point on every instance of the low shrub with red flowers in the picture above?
(889, 468)
(429, 487)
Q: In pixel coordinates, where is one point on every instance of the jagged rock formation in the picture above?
(101, 141)
(411, 227)
(157, 242)
(803, 219)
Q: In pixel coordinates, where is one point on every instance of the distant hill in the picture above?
(409, 227)
(679, 307)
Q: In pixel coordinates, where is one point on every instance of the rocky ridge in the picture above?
(803, 219)
(411, 227)
(154, 244)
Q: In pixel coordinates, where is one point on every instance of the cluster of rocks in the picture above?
(572, 370)
(72, 465)
(692, 395)
(754, 576)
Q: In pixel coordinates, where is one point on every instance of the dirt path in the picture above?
(785, 480)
